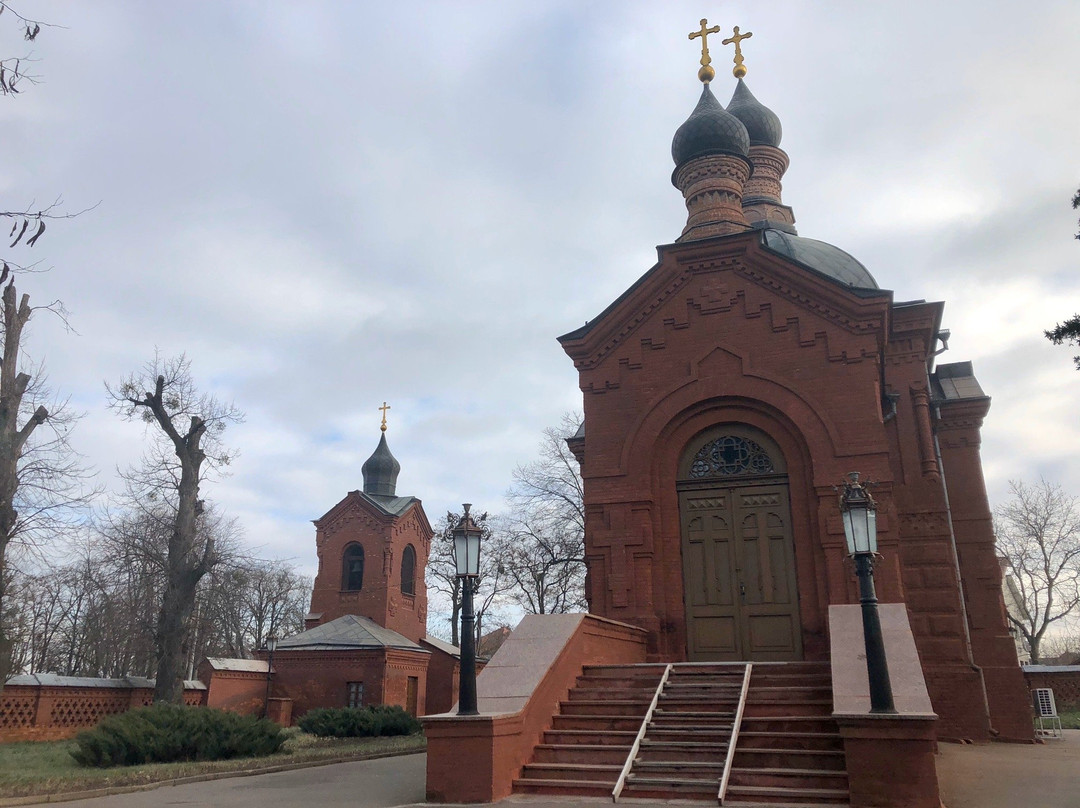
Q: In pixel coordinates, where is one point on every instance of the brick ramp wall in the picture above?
(48, 708)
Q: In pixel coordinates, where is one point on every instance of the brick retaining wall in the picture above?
(1064, 680)
(45, 707)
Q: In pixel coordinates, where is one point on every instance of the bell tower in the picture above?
(373, 548)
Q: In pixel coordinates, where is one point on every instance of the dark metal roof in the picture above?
(348, 631)
(762, 124)
(820, 257)
(381, 471)
(710, 129)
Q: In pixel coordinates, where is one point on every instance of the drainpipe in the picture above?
(960, 580)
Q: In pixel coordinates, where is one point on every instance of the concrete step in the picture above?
(682, 751)
(788, 692)
(790, 740)
(687, 734)
(783, 724)
(595, 772)
(672, 787)
(590, 737)
(789, 778)
(779, 758)
(575, 788)
(617, 707)
(608, 754)
(802, 797)
(595, 722)
(708, 771)
(766, 707)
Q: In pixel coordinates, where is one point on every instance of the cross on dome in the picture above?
(740, 69)
(706, 73)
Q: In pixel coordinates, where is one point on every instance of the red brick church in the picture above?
(727, 392)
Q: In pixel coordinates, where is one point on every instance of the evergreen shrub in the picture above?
(167, 732)
(358, 722)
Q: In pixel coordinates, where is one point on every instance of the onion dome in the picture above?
(821, 257)
(761, 123)
(710, 129)
(381, 471)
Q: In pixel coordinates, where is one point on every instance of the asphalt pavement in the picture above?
(380, 783)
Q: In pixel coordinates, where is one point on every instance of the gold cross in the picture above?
(384, 408)
(706, 73)
(740, 69)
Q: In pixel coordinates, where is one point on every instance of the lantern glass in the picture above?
(860, 519)
(271, 643)
(467, 548)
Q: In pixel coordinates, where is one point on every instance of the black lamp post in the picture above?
(467, 558)
(860, 529)
(271, 644)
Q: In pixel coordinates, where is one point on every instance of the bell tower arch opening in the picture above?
(738, 554)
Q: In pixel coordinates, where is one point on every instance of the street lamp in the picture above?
(271, 644)
(467, 559)
(860, 528)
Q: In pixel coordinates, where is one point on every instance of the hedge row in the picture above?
(358, 722)
(166, 732)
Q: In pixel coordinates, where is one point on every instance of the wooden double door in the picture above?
(739, 577)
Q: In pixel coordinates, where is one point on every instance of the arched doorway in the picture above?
(739, 576)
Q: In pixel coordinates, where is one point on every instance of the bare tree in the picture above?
(187, 427)
(545, 527)
(1038, 532)
(491, 587)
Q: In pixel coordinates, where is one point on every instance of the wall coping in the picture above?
(126, 683)
(1050, 668)
(851, 688)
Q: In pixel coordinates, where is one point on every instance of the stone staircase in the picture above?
(788, 750)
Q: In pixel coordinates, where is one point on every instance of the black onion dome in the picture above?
(710, 129)
(381, 471)
(821, 257)
(762, 124)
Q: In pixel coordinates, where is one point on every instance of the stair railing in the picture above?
(621, 782)
(734, 734)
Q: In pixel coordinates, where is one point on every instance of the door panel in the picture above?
(739, 574)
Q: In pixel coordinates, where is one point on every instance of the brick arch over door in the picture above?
(668, 445)
(738, 561)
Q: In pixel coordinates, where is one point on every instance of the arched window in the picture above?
(408, 571)
(731, 456)
(352, 568)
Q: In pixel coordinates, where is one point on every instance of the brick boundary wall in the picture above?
(1064, 680)
(46, 707)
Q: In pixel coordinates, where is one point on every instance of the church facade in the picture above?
(731, 389)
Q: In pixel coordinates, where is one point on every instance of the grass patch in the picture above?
(1070, 720)
(47, 767)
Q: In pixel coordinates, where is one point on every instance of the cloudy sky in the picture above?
(327, 205)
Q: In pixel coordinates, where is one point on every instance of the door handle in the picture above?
(742, 590)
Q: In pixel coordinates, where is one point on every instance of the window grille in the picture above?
(731, 456)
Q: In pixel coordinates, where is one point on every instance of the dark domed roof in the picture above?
(710, 129)
(761, 123)
(381, 471)
(825, 258)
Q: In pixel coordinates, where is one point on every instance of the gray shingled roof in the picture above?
(348, 631)
(395, 506)
(443, 646)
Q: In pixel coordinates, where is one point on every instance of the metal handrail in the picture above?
(734, 734)
(621, 782)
